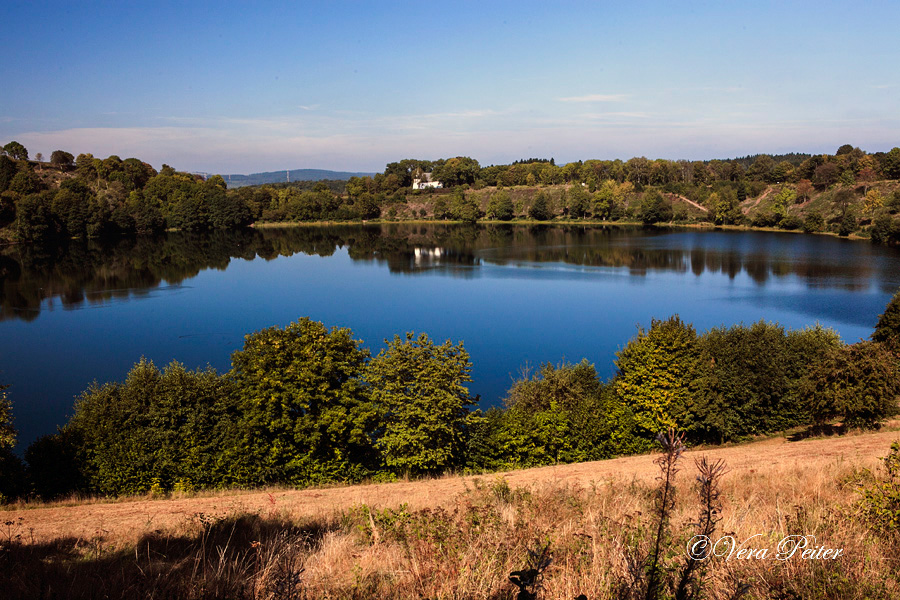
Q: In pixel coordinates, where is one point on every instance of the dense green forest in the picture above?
(845, 193)
(305, 404)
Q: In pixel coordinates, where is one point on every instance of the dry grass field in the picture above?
(460, 537)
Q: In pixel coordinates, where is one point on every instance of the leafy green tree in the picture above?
(890, 164)
(654, 370)
(11, 468)
(7, 431)
(500, 207)
(655, 208)
(25, 182)
(848, 224)
(540, 208)
(813, 222)
(485, 440)
(457, 171)
(560, 414)
(307, 414)
(143, 214)
(464, 207)
(157, 430)
(16, 151)
(53, 465)
(725, 208)
(887, 330)
(422, 403)
(226, 211)
(859, 384)
(8, 170)
(579, 202)
(746, 379)
(62, 159)
(34, 217)
(441, 212)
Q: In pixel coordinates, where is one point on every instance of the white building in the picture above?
(426, 182)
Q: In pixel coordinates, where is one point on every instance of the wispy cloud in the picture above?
(616, 115)
(595, 98)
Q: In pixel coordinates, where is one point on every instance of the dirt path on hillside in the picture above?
(750, 205)
(691, 202)
(125, 521)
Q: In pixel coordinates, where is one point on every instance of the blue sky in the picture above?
(246, 87)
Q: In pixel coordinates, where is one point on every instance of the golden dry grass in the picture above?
(460, 537)
(771, 475)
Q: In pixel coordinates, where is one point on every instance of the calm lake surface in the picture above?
(514, 295)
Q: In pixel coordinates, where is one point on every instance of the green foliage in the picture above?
(25, 182)
(724, 208)
(651, 384)
(858, 384)
(880, 502)
(61, 158)
(500, 207)
(34, 218)
(418, 390)
(540, 208)
(304, 408)
(746, 380)
(12, 471)
(441, 212)
(655, 208)
(54, 467)
(885, 230)
(15, 150)
(464, 207)
(848, 224)
(814, 222)
(558, 415)
(579, 202)
(7, 431)
(156, 427)
(887, 330)
(8, 170)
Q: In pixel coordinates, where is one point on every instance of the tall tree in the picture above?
(307, 413)
(422, 403)
(654, 370)
(16, 151)
(540, 208)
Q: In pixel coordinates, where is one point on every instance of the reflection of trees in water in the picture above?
(97, 271)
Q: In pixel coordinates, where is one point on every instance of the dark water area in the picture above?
(515, 295)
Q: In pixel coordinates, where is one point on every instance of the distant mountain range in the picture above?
(235, 180)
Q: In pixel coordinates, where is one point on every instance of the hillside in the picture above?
(235, 180)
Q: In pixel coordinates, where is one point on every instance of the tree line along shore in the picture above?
(848, 193)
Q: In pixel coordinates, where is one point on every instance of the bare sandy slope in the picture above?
(126, 521)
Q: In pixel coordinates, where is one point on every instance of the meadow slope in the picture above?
(776, 469)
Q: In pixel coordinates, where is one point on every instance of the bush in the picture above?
(655, 208)
(887, 330)
(858, 384)
(880, 502)
(813, 223)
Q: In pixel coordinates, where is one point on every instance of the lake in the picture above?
(517, 296)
